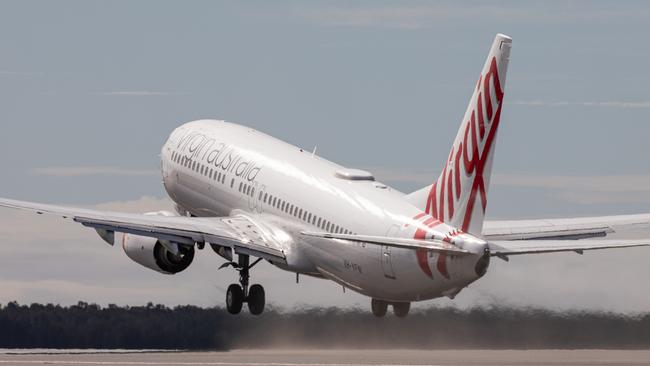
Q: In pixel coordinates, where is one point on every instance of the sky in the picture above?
(90, 90)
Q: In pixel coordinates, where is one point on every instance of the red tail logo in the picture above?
(468, 157)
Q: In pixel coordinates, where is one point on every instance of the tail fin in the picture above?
(459, 196)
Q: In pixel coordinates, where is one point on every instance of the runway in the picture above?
(332, 357)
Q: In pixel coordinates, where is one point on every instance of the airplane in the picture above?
(252, 197)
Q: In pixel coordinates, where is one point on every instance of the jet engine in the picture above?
(154, 254)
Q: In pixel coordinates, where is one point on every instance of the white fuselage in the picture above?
(216, 168)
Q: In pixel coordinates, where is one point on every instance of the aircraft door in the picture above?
(386, 259)
(259, 196)
(253, 201)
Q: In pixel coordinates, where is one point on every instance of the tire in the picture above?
(401, 309)
(256, 299)
(234, 299)
(379, 308)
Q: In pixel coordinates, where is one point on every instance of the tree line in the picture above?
(194, 328)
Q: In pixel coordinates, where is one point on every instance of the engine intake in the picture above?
(150, 253)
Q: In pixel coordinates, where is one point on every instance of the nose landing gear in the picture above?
(237, 295)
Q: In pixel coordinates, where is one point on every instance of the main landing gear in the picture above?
(380, 307)
(237, 295)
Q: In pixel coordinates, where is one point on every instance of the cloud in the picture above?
(597, 183)
(78, 171)
(141, 93)
(19, 73)
(582, 190)
(404, 176)
(19, 225)
(619, 104)
(424, 16)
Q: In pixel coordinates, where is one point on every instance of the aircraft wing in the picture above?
(241, 233)
(574, 228)
(505, 248)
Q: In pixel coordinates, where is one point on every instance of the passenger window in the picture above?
(318, 222)
(265, 197)
(309, 217)
(252, 191)
(327, 228)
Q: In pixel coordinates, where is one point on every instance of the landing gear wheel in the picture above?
(256, 299)
(234, 299)
(401, 309)
(378, 307)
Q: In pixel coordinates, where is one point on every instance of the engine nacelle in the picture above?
(149, 252)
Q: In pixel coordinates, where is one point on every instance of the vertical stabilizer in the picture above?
(459, 196)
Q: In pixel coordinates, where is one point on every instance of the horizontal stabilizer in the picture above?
(504, 248)
(431, 245)
(563, 228)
